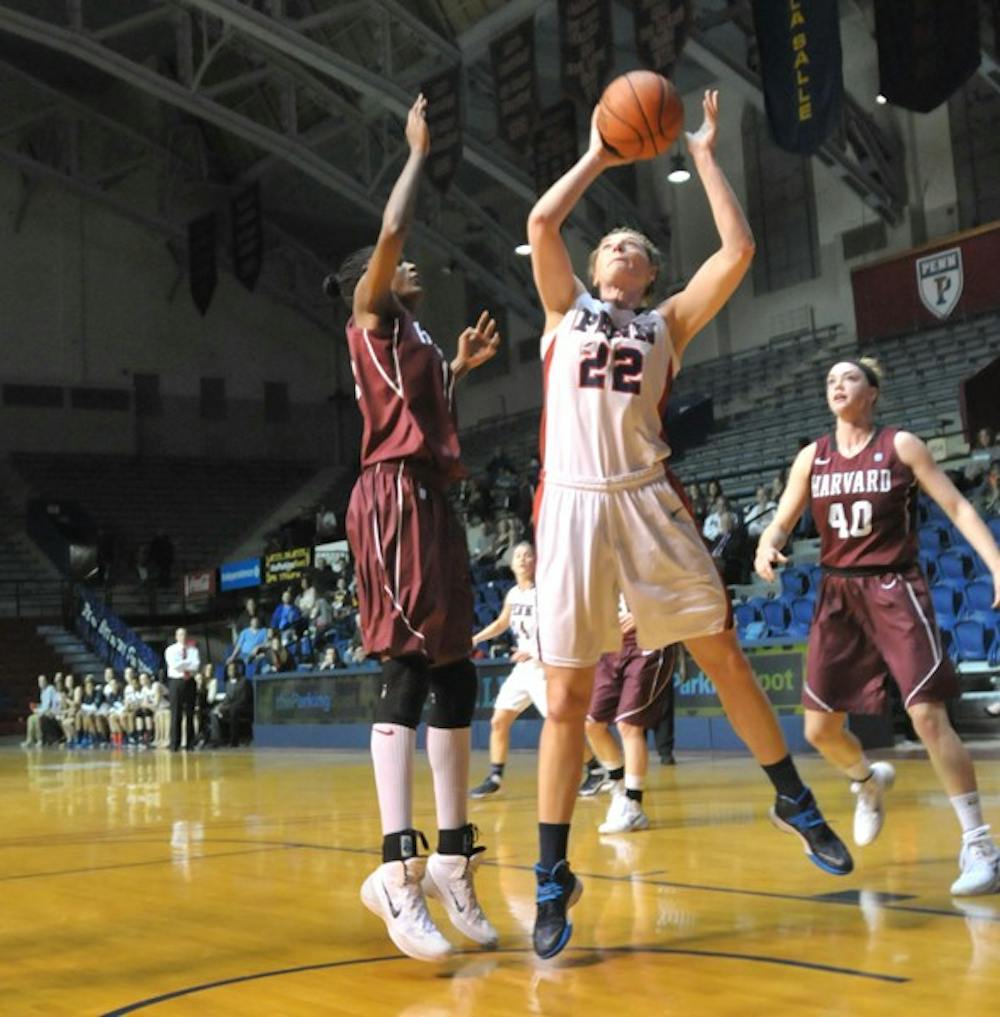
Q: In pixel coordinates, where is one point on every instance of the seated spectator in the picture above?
(91, 699)
(112, 709)
(248, 643)
(982, 452)
(504, 490)
(134, 721)
(484, 550)
(277, 658)
(321, 616)
(286, 615)
(307, 596)
(712, 492)
(730, 551)
(778, 486)
(758, 515)
(986, 497)
(232, 716)
(47, 706)
(697, 498)
(330, 660)
(68, 718)
(242, 620)
(498, 461)
(509, 535)
(146, 710)
(711, 529)
(355, 652)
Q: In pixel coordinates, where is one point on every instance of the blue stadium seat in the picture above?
(946, 601)
(777, 616)
(973, 640)
(802, 611)
(954, 565)
(755, 631)
(932, 538)
(794, 582)
(979, 595)
(994, 525)
(746, 613)
(928, 562)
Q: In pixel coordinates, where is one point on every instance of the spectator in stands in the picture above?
(326, 524)
(778, 485)
(729, 551)
(321, 616)
(242, 620)
(982, 451)
(712, 492)
(504, 490)
(986, 497)
(698, 503)
(345, 602)
(307, 595)
(355, 652)
(286, 615)
(330, 660)
(248, 643)
(498, 461)
(45, 707)
(508, 536)
(711, 529)
(484, 549)
(231, 717)
(759, 513)
(182, 660)
(277, 657)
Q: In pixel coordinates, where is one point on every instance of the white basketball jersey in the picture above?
(524, 619)
(607, 376)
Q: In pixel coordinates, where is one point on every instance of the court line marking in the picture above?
(599, 951)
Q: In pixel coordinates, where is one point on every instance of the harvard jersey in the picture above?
(607, 376)
(864, 505)
(404, 387)
(524, 618)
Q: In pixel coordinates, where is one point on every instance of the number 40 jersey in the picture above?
(865, 505)
(607, 375)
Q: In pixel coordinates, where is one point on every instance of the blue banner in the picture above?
(111, 639)
(236, 575)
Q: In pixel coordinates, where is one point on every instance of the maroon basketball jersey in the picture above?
(864, 506)
(405, 386)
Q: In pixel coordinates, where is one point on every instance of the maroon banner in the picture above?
(661, 29)
(951, 278)
(444, 120)
(586, 46)
(513, 57)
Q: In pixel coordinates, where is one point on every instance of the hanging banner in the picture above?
(800, 61)
(586, 47)
(926, 50)
(248, 236)
(239, 575)
(202, 271)
(513, 58)
(111, 639)
(284, 566)
(661, 29)
(444, 119)
(555, 145)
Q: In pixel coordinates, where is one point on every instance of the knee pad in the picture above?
(404, 691)
(454, 689)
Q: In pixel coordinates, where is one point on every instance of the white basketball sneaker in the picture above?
(394, 893)
(869, 814)
(449, 879)
(624, 815)
(979, 861)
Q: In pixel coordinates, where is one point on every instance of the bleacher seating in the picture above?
(204, 506)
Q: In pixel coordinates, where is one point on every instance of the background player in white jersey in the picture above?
(874, 615)
(526, 682)
(610, 516)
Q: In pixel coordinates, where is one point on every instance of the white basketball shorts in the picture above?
(525, 684)
(633, 537)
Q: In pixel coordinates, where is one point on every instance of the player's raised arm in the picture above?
(373, 301)
(555, 281)
(793, 501)
(476, 345)
(935, 482)
(498, 626)
(687, 312)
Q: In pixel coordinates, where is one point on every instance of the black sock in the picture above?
(785, 778)
(618, 773)
(553, 840)
(593, 766)
(398, 846)
(459, 841)
(635, 793)
(496, 769)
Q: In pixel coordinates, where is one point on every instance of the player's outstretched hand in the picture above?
(702, 142)
(608, 156)
(765, 560)
(476, 345)
(417, 132)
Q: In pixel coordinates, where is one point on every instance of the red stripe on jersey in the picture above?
(546, 364)
(661, 406)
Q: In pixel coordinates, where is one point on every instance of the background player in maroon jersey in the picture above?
(414, 590)
(874, 615)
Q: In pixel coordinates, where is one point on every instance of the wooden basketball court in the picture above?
(227, 883)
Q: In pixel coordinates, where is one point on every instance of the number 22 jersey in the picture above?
(607, 373)
(864, 506)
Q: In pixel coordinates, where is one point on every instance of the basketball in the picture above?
(640, 115)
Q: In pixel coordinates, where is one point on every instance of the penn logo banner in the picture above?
(799, 43)
(940, 280)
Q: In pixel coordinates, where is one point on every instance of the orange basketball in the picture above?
(640, 115)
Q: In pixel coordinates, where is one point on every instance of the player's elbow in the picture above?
(540, 224)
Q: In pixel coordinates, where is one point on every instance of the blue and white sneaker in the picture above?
(558, 890)
(802, 817)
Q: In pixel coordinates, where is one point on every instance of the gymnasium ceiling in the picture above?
(162, 109)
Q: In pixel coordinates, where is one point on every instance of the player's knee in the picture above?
(566, 702)
(631, 732)
(405, 682)
(453, 692)
(817, 729)
(930, 721)
(501, 721)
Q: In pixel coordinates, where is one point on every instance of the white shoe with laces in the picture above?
(449, 879)
(979, 862)
(624, 816)
(394, 893)
(869, 813)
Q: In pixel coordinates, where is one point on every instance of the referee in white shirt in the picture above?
(182, 662)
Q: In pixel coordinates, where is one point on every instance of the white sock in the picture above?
(392, 758)
(634, 782)
(969, 811)
(448, 751)
(861, 770)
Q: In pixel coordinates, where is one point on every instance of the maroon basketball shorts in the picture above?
(411, 565)
(631, 686)
(868, 629)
